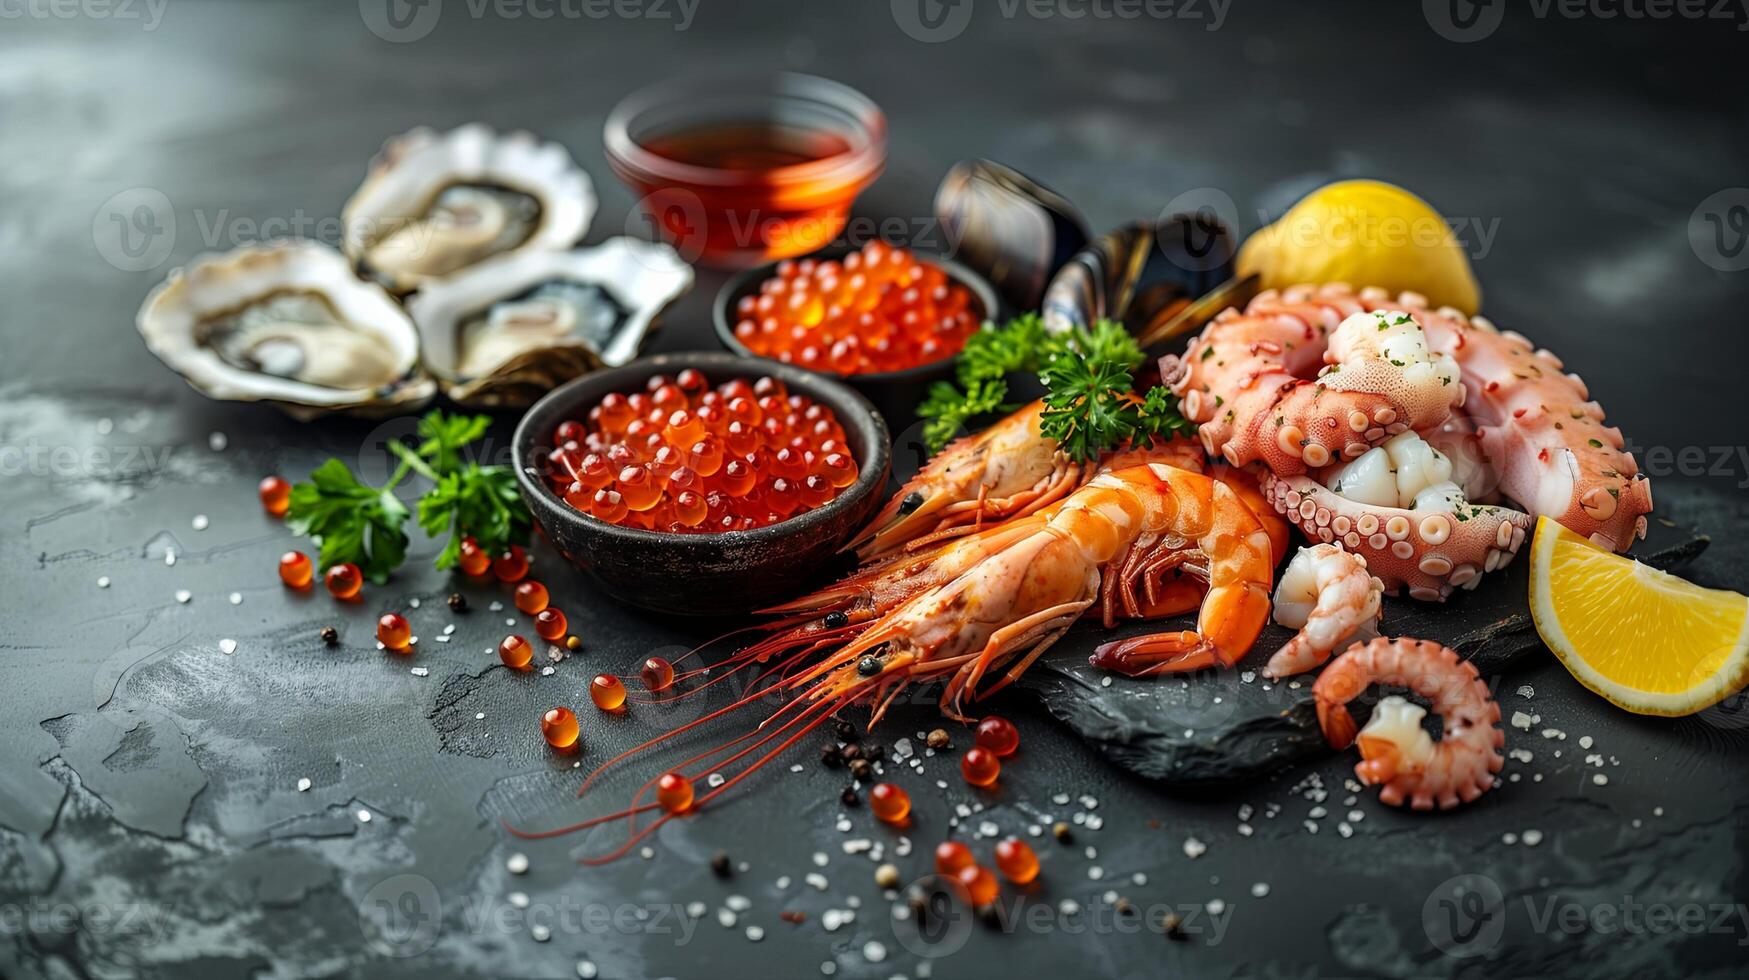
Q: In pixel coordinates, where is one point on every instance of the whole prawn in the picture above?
(1330, 597)
(1396, 753)
(1002, 599)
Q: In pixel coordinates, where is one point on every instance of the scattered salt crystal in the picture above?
(510, 622)
(1509, 838)
(754, 934)
(183, 595)
(1216, 906)
(363, 816)
(1600, 779)
(1521, 721)
(1526, 691)
(726, 918)
(988, 829)
(1344, 829)
(414, 602)
(105, 426)
(1095, 873)
(447, 630)
(815, 880)
(586, 970)
(1531, 838)
(1068, 907)
(516, 863)
(1657, 811)
(646, 853)
(169, 556)
(103, 581)
(714, 779)
(1105, 681)
(739, 903)
(820, 859)
(1194, 848)
(200, 522)
(540, 933)
(517, 899)
(227, 646)
(1584, 741)
(1060, 799)
(696, 910)
(304, 785)
(1245, 830)
(873, 951)
(828, 968)
(217, 441)
(479, 716)
(236, 598)
(1260, 889)
(1139, 879)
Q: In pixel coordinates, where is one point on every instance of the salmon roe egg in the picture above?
(559, 727)
(551, 624)
(512, 565)
(393, 631)
(344, 580)
(295, 569)
(275, 495)
(980, 767)
(889, 802)
(951, 856)
(608, 693)
(998, 735)
(516, 652)
(658, 675)
(531, 597)
(1016, 860)
(674, 792)
(471, 558)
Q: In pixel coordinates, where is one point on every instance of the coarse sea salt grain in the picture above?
(227, 646)
(183, 595)
(516, 863)
(103, 581)
(236, 598)
(200, 522)
(1194, 848)
(304, 785)
(217, 441)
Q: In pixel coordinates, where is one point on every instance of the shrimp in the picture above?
(1013, 591)
(1396, 752)
(1008, 470)
(1330, 597)
(1245, 379)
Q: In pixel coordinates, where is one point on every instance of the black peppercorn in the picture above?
(330, 636)
(830, 758)
(861, 769)
(720, 864)
(849, 797)
(458, 602)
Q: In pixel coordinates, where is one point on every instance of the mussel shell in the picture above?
(1009, 228)
(1143, 274)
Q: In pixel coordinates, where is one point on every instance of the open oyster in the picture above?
(508, 330)
(286, 323)
(435, 205)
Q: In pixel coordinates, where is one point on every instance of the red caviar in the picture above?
(658, 675)
(998, 735)
(531, 597)
(472, 558)
(889, 802)
(980, 767)
(878, 309)
(734, 457)
(674, 792)
(981, 885)
(344, 580)
(393, 631)
(608, 693)
(275, 495)
(1016, 860)
(516, 652)
(559, 727)
(295, 569)
(951, 856)
(551, 624)
(512, 565)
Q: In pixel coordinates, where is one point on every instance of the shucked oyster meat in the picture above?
(510, 329)
(435, 205)
(286, 323)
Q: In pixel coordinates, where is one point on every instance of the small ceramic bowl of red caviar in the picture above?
(702, 572)
(743, 305)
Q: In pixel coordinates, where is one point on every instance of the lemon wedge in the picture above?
(1648, 641)
(1364, 233)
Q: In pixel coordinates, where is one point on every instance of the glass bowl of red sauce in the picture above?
(740, 170)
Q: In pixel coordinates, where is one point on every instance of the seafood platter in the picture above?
(1224, 504)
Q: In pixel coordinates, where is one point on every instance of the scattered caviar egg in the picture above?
(559, 727)
(531, 597)
(981, 885)
(608, 693)
(691, 458)
(393, 631)
(658, 674)
(551, 624)
(980, 767)
(889, 802)
(275, 495)
(674, 792)
(878, 309)
(295, 569)
(515, 651)
(951, 856)
(1016, 860)
(472, 558)
(344, 580)
(998, 735)
(512, 565)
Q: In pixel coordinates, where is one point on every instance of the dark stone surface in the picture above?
(148, 781)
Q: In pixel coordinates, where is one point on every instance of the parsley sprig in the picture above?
(351, 521)
(1088, 373)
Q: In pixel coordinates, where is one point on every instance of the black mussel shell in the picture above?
(1143, 274)
(1011, 229)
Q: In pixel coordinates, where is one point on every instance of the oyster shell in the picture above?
(286, 323)
(1008, 227)
(510, 329)
(436, 204)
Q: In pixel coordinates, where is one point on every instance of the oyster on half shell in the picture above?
(510, 329)
(286, 323)
(435, 204)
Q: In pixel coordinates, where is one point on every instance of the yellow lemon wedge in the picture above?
(1648, 641)
(1364, 233)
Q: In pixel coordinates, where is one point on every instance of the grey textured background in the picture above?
(149, 817)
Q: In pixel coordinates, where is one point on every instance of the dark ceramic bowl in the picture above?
(705, 574)
(895, 393)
